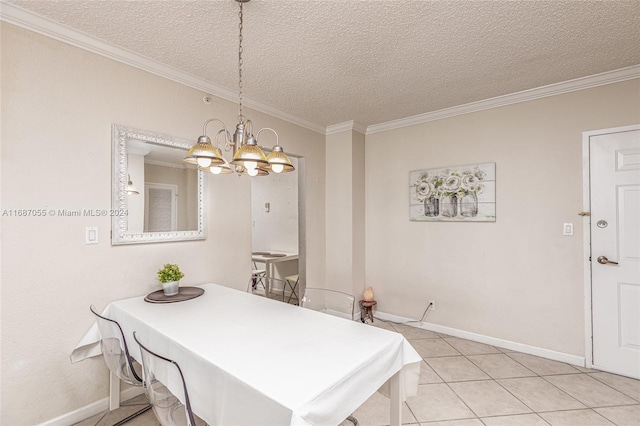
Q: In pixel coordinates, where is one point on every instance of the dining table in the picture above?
(250, 360)
(270, 258)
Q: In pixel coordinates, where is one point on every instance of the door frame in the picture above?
(174, 203)
(586, 232)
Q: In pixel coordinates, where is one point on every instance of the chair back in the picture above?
(115, 350)
(276, 287)
(332, 302)
(167, 407)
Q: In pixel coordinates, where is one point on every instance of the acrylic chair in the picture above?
(116, 355)
(331, 302)
(166, 406)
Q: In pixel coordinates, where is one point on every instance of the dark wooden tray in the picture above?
(184, 293)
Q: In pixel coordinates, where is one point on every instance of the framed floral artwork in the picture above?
(453, 194)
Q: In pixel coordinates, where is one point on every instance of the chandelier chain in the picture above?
(240, 63)
(248, 156)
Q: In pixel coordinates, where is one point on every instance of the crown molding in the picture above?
(604, 78)
(41, 25)
(343, 127)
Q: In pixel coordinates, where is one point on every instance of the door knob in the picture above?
(604, 260)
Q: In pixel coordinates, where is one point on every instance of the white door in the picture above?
(161, 208)
(615, 250)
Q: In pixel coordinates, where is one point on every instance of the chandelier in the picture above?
(248, 156)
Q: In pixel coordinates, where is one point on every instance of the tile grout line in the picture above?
(510, 393)
(534, 375)
(611, 387)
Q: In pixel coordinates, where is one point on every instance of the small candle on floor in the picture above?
(368, 295)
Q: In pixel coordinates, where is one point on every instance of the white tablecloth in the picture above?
(248, 360)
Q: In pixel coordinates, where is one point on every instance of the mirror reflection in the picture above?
(161, 195)
(167, 198)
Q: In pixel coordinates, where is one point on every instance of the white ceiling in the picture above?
(333, 61)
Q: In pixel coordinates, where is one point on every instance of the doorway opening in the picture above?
(278, 228)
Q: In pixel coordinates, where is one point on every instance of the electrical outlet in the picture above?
(432, 305)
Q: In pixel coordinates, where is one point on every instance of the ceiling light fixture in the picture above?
(248, 157)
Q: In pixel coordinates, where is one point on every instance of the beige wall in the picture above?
(518, 279)
(276, 229)
(345, 212)
(58, 105)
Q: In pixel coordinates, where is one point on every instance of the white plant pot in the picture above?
(171, 288)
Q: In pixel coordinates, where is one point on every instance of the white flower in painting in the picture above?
(480, 174)
(452, 183)
(423, 177)
(424, 189)
(478, 188)
(468, 181)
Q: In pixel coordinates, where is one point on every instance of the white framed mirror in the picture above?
(156, 197)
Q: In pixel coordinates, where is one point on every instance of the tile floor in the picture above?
(464, 383)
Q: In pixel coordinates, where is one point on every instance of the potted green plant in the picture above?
(170, 276)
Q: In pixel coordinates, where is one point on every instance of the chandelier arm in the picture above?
(204, 127)
(267, 128)
(227, 139)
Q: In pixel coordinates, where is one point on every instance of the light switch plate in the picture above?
(567, 229)
(91, 235)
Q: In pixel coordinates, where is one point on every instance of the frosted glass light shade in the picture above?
(260, 171)
(278, 160)
(249, 152)
(218, 169)
(203, 150)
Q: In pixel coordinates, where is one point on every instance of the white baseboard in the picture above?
(493, 341)
(92, 409)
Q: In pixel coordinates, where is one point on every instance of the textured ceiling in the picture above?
(329, 62)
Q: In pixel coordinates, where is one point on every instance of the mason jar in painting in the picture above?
(449, 206)
(469, 205)
(431, 206)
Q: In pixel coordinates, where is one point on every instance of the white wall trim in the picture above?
(608, 77)
(41, 25)
(493, 341)
(347, 125)
(586, 250)
(90, 410)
